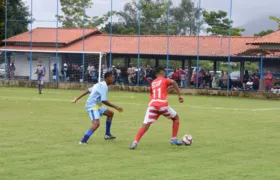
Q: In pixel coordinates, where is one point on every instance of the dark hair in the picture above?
(108, 74)
(159, 69)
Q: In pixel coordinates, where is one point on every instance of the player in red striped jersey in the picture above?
(158, 105)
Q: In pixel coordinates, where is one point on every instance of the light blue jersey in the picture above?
(98, 93)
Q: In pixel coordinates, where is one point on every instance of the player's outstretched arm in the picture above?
(80, 96)
(176, 87)
(107, 103)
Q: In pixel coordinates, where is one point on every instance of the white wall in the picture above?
(22, 64)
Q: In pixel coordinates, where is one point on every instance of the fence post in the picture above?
(261, 73)
(168, 38)
(83, 44)
(139, 25)
(229, 38)
(198, 45)
(6, 36)
(56, 54)
(111, 33)
(31, 19)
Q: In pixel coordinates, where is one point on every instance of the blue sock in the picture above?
(108, 127)
(87, 135)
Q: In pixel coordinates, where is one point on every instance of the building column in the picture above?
(189, 72)
(183, 64)
(157, 63)
(127, 61)
(241, 70)
(215, 66)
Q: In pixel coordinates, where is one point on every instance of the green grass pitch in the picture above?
(234, 139)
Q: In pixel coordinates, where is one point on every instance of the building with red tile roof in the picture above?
(45, 42)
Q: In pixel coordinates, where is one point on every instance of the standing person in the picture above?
(183, 77)
(268, 81)
(97, 97)
(159, 106)
(54, 70)
(130, 71)
(41, 72)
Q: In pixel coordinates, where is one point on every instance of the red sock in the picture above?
(175, 129)
(139, 135)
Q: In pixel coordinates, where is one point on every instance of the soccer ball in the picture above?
(187, 139)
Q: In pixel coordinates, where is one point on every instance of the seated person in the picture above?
(238, 85)
(249, 85)
(276, 87)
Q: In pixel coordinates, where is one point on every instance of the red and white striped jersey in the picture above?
(159, 92)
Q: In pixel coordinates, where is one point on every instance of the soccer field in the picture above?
(234, 139)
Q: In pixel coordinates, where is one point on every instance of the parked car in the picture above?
(236, 74)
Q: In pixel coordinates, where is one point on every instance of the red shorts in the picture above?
(153, 113)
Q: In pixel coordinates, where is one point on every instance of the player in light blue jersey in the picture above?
(40, 71)
(94, 106)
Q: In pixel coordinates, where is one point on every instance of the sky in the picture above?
(243, 11)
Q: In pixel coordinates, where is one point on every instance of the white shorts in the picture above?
(153, 113)
(41, 82)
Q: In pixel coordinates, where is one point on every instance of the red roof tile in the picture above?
(272, 53)
(48, 35)
(128, 44)
(273, 38)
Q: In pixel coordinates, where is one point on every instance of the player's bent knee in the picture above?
(109, 113)
(96, 123)
(175, 118)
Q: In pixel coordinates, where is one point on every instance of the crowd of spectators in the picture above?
(203, 79)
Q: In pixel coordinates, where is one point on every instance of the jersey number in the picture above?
(157, 93)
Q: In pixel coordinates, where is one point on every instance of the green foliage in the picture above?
(276, 19)
(154, 18)
(75, 16)
(17, 10)
(219, 24)
(263, 33)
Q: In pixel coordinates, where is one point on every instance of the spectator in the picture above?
(64, 71)
(268, 81)
(257, 74)
(54, 70)
(224, 80)
(12, 70)
(149, 74)
(256, 82)
(91, 71)
(118, 77)
(276, 87)
(176, 76)
(213, 80)
(238, 86)
(249, 85)
(183, 77)
(246, 78)
(142, 75)
(114, 71)
(207, 79)
(194, 79)
(130, 72)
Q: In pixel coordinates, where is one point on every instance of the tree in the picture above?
(276, 19)
(154, 18)
(18, 17)
(185, 16)
(263, 33)
(74, 15)
(219, 24)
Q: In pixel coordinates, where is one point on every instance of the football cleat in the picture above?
(83, 142)
(109, 137)
(176, 142)
(133, 145)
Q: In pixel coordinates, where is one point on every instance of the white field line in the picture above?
(15, 98)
